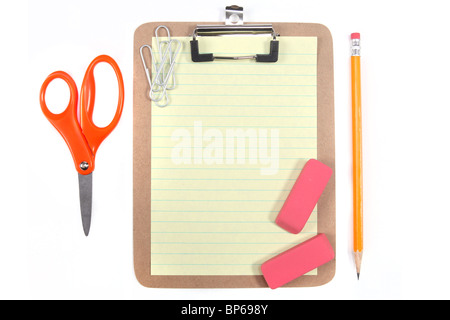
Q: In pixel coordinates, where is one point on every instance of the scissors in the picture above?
(76, 126)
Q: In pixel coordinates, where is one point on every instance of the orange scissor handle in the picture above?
(67, 124)
(95, 135)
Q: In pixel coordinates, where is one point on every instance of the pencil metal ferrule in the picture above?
(356, 47)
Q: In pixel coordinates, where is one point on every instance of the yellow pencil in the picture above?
(357, 154)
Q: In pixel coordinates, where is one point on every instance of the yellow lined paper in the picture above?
(226, 152)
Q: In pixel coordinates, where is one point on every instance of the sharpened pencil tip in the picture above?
(358, 258)
(86, 229)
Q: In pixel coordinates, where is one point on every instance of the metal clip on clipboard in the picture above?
(234, 25)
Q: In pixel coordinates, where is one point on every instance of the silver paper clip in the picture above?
(163, 70)
(160, 45)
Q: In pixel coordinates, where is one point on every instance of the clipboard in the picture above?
(142, 151)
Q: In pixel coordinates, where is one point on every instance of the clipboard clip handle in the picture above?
(234, 25)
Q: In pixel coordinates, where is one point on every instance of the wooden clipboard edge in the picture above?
(142, 163)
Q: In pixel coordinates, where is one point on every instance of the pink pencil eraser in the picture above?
(297, 261)
(356, 36)
(304, 196)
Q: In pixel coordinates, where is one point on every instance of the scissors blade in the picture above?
(85, 184)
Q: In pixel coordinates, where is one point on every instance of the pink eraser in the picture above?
(297, 261)
(304, 196)
(356, 36)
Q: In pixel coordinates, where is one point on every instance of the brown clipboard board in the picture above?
(142, 162)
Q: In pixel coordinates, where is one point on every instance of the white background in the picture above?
(406, 111)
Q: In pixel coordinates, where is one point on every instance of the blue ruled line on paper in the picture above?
(206, 158)
(222, 243)
(200, 168)
(246, 85)
(204, 264)
(241, 148)
(231, 232)
(218, 200)
(278, 137)
(218, 211)
(239, 106)
(208, 211)
(252, 127)
(222, 179)
(213, 253)
(229, 116)
(244, 95)
(176, 221)
(224, 190)
(247, 74)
